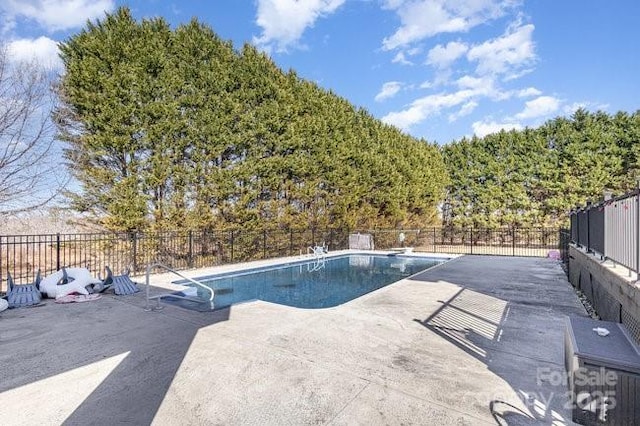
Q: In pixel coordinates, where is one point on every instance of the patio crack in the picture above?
(367, 383)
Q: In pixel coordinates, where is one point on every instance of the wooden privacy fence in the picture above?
(24, 255)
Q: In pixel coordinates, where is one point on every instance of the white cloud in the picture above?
(42, 50)
(514, 75)
(284, 21)
(420, 19)
(466, 109)
(528, 92)
(443, 56)
(570, 109)
(469, 90)
(493, 62)
(573, 107)
(426, 84)
(538, 107)
(426, 106)
(483, 128)
(392, 4)
(405, 119)
(506, 53)
(401, 59)
(483, 86)
(389, 90)
(470, 82)
(55, 15)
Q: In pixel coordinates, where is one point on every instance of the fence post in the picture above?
(588, 227)
(434, 239)
(58, 251)
(264, 243)
(231, 246)
(471, 238)
(330, 243)
(513, 241)
(577, 227)
(134, 250)
(190, 248)
(637, 230)
(290, 242)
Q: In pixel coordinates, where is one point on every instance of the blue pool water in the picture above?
(312, 284)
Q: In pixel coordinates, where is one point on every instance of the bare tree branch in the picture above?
(31, 174)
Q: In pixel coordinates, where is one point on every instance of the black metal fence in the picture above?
(610, 229)
(501, 242)
(565, 240)
(24, 255)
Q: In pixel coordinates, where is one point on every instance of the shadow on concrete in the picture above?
(508, 414)
(511, 326)
(51, 341)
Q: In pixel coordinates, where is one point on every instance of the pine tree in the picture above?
(173, 128)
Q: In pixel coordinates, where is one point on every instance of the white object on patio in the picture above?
(78, 279)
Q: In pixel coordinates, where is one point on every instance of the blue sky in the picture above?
(439, 70)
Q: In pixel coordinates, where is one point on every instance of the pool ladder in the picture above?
(153, 266)
(318, 251)
(320, 254)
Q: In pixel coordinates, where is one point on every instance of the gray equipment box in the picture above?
(603, 373)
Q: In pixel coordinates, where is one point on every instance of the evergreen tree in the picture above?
(173, 128)
(534, 177)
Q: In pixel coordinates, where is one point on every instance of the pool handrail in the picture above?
(319, 254)
(318, 251)
(152, 266)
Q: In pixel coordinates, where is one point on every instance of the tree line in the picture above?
(534, 177)
(176, 129)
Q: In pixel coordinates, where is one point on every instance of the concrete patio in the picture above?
(469, 342)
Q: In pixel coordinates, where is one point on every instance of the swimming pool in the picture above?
(312, 284)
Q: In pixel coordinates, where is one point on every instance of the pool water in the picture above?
(312, 285)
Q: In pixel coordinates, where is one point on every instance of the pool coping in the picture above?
(278, 263)
(190, 290)
(166, 282)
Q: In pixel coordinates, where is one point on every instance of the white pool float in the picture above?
(78, 279)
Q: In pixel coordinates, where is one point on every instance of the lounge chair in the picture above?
(121, 284)
(21, 295)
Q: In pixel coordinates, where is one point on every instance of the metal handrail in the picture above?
(173, 271)
(319, 254)
(318, 251)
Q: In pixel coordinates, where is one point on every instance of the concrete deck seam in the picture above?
(367, 383)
